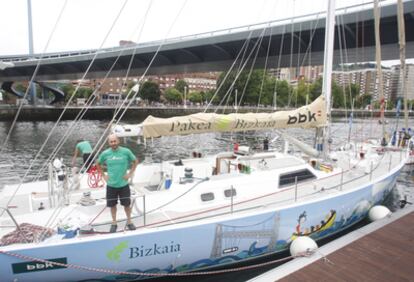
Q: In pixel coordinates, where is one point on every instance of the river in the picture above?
(31, 143)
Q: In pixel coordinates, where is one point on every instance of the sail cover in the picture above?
(309, 116)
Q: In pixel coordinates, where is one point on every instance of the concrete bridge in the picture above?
(216, 51)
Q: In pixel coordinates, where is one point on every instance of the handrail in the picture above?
(171, 221)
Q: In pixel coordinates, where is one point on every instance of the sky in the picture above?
(86, 24)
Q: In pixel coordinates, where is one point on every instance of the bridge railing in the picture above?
(232, 30)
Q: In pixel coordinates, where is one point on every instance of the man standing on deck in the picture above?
(83, 148)
(117, 160)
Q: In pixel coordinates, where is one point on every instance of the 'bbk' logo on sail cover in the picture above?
(142, 251)
(301, 118)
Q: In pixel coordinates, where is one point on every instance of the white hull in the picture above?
(184, 238)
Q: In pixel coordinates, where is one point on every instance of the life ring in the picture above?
(94, 178)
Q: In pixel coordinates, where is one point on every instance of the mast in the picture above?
(378, 62)
(401, 39)
(327, 66)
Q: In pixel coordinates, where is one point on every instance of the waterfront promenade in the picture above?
(45, 112)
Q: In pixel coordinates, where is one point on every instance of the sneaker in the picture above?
(131, 226)
(113, 228)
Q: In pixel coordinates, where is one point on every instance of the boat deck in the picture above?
(342, 180)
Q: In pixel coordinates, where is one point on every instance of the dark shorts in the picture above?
(113, 194)
(87, 160)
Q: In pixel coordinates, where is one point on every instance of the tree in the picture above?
(180, 85)
(84, 92)
(248, 85)
(337, 96)
(173, 96)
(68, 89)
(208, 96)
(315, 89)
(150, 91)
(362, 101)
(282, 93)
(195, 97)
(300, 93)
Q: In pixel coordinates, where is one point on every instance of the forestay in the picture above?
(309, 116)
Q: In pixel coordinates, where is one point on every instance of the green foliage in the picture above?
(337, 96)
(282, 92)
(195, 97)
(180, 85)
(129, 86)
(300, 93)
(6, 96)
(20, 88)
(84, 92)
(68, 89)
(209, 95)
(150, 91)
(173, 96)
(362, 101)
(248, 87)
(315, 89)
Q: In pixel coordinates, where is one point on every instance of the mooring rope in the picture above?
(307, 253)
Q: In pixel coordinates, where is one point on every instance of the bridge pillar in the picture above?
(32, 93)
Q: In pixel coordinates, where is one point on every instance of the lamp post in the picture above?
(235, 101)
(32, 88)
(185, 97)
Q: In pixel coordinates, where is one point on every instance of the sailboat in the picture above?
(202, 212)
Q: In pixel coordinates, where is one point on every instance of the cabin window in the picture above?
(289, 178)
(207, 197)
(230, 192)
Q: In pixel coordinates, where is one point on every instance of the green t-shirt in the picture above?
(84, 147)
(117, 163)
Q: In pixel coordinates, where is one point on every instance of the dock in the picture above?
(381, 251)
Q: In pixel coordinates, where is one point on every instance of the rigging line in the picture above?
(347, 62)
(342, 75)
(297, 72)
(83, 111)
(149, 65)
(244, 65)
(100, 143)
(227, 74)
(241, 66)
(32, 78)
(312, 32)
(251, 69)
(239, 72)
(140, 80)
(291, 53)
(264, 70)
(66, 106)
(278, 66)
(98, 147)
(266, 60)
